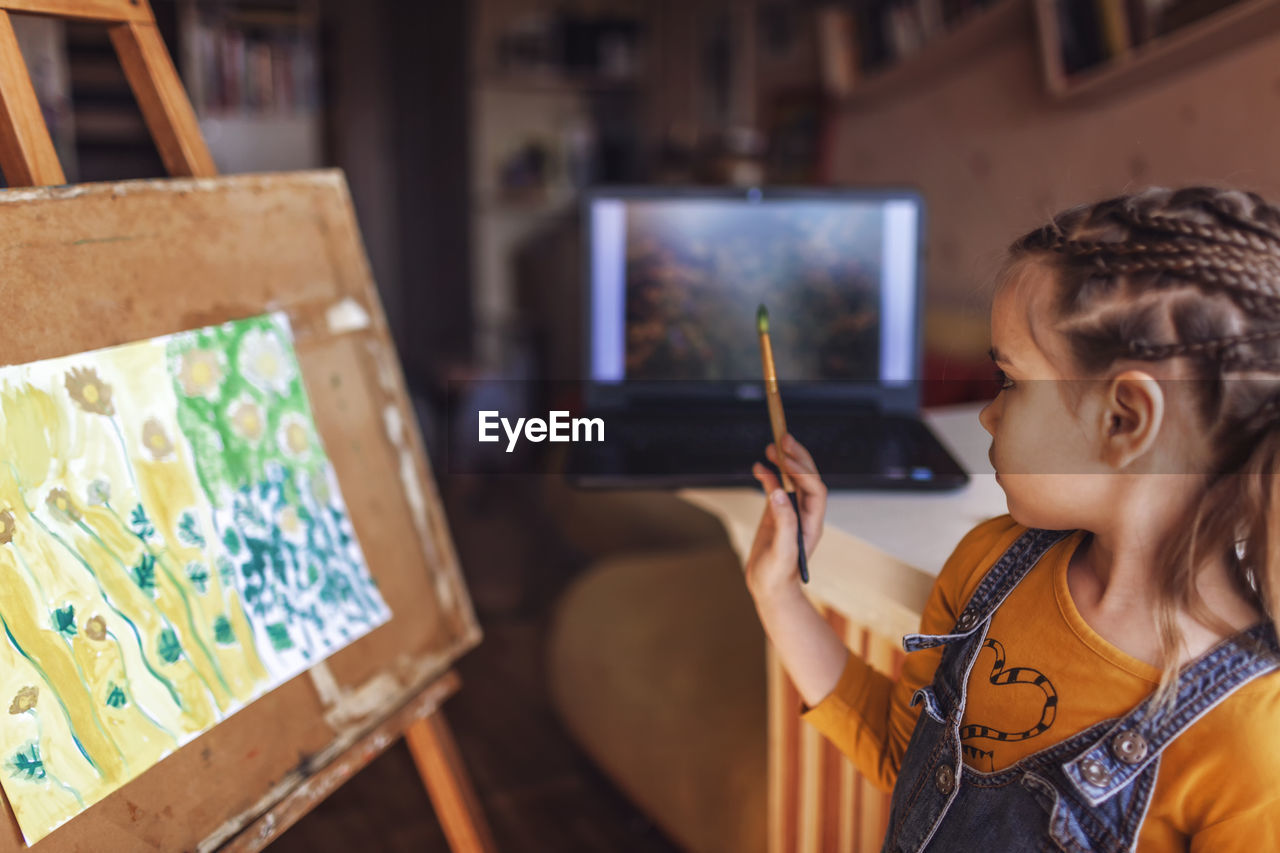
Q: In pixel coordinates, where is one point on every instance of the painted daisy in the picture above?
(24, 700)
(290, 524)
(294, 436)
(200, 373)
(320, 491)
(99, 492)
(265, 362)
(89, 391)
(96, 628)
(155, 440)
(61, 505)
(247, 419)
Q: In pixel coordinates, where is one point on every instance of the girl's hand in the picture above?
(773, 564)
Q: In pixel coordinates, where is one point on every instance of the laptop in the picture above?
(673, 367)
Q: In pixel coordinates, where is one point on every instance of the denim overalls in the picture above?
(1089, 792)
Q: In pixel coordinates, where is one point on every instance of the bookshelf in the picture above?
(931, 54)
(557, 99)
(554, 82)
(252, 68)
(1092, 51)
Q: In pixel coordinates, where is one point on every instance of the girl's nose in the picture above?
(987, 417)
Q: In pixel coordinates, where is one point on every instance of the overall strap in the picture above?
(1137, 739)
(995, 586)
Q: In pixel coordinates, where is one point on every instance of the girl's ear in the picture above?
(1132, 412)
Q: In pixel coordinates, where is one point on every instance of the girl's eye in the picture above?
(1005, 383)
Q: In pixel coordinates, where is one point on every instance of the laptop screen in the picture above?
(675, 279)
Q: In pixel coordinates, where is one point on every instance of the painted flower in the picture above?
(99, 492)
(293, 437)
(320, 488)
(7, 527)
(155, 439)
(96, 628)
(265, 362)
(61, 505)
(89, 391)
(289, 522)
(199, 373)
(247, 419)
(24, 700)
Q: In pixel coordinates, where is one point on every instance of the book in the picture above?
(837, 50)
(1114, 23)
(1079, 35)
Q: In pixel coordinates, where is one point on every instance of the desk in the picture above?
(870, 576)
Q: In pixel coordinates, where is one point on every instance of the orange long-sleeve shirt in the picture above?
(1218, 787)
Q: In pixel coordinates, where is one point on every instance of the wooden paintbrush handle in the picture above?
(776, 419)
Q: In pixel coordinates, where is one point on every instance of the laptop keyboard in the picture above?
(738, 433)
(837, 443)
(851, 451)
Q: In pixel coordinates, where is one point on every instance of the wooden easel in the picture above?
(28, 159)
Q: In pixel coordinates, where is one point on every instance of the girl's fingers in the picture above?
(801, 470)
(768, 480)
(784, 543)
(810, 490)
(798, 461)
(794, 463)
(795, 448)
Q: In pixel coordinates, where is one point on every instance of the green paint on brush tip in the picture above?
(762, 320)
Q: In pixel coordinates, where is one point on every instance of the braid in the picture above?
(1211, 347)
(1254, 284)
(1219, 240)
(1246, 238)
(1085, 248)
(1247, 211)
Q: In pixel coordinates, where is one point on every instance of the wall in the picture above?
(995, 156)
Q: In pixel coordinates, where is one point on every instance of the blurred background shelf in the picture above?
(253, 70)
(1095, 50)
(251, 67)
(929, 54)
(554, 82)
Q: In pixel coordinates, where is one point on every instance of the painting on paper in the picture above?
(173, 545)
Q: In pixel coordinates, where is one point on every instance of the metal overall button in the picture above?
(1095, 772)
(1130, 747)
(966, 621)
(946, 779)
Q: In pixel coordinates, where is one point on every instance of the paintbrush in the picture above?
(779, 424)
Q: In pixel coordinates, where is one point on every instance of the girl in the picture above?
(1095, 670)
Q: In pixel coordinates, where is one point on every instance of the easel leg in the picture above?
(434, 751)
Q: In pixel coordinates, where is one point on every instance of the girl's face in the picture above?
(1045, 446)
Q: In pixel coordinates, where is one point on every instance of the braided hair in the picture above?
(1189, 273)
(1163, 273)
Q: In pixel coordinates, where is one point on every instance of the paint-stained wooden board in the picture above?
(95, 265)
